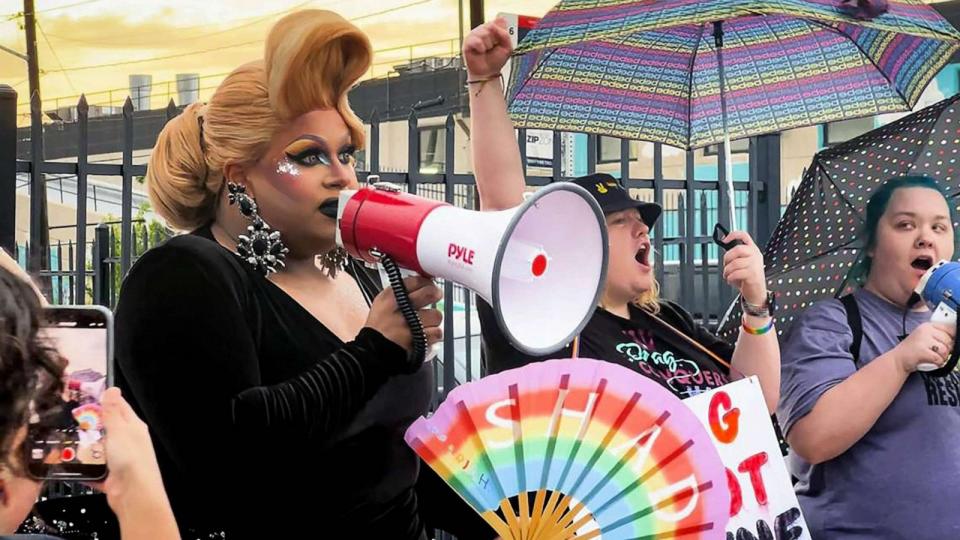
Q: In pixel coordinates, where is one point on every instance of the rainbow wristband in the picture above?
(758, 331)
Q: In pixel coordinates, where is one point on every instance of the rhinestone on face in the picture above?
(287, 167)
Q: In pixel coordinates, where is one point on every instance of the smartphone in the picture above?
(68, 444)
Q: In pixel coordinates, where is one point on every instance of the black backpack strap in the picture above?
(855, 323)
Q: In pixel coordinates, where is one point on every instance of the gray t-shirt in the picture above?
(902, 479)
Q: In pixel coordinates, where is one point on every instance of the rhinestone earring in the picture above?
(262, 247)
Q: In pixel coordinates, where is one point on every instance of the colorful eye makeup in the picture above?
(309, 151)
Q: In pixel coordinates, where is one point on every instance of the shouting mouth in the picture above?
(643, 255)
(922, 263)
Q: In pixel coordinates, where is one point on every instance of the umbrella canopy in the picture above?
(817, 239)
(649, 70)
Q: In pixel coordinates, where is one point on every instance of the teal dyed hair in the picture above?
(876, 207)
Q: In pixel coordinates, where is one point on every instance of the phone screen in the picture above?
(68, 444)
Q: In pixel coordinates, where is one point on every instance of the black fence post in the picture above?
(658, 231)
(592, 142)
(705, 247)
(449, 354)
(171, 110)
(126, 197)
(522, 144)
(413, 148)
(374, 144)
(102, 271)
(723, 194)
(753, 189)
(82, 148)
(557, 157)
(39, 260)
(688, 233)
(8, 168)
(768, 174)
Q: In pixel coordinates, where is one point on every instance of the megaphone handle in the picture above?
(941, 316)
(419, 352)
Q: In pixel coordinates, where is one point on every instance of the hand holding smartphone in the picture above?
(69, 444)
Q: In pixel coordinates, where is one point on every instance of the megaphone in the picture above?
(541, 265)
(940, 289)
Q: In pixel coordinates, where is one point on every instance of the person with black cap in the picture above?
(631, 326)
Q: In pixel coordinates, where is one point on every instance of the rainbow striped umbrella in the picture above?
(577, 448)
(652, 69)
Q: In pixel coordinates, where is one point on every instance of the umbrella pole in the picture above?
(727, 159)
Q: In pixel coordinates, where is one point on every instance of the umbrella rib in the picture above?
(838, 188)
(865, 55)
(845, 280)
(819, 167)
(533, 71)
(693, 59)
(813, 259)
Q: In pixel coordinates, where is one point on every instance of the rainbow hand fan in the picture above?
(88, 416)
(577, 448)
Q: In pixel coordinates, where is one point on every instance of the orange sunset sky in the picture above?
(92, 46)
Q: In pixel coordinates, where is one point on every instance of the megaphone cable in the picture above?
(419, 352)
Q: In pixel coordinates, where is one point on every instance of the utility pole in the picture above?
(476, 13)
(39, 231)
(460, 20)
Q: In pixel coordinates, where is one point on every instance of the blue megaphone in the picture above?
(939, 288)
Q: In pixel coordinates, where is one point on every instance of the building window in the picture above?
(608, 150)
(361, 160)
(844, 130)
(433, 149)
(737, 146)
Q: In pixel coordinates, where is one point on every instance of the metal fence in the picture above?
(88, 266)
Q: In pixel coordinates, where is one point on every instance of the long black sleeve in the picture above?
(325, 397)
(186, 351)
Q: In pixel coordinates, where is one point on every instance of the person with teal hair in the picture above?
(873, 441)
(876, 206)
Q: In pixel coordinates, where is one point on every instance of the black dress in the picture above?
(265, 423)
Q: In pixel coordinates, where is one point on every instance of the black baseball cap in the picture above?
(613, 198)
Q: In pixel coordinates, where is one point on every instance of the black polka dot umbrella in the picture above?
(816, 241)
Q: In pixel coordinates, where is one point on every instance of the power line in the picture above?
(391, 10)
(55, 56)
(168, 57)
(224, 74)
(81, 3)
(181, 55)
(11, 16)
(252, 21)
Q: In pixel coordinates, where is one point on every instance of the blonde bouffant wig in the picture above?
(312, 59)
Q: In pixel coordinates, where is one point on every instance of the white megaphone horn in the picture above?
(541, 266)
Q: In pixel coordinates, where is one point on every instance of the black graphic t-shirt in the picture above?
(644, 343)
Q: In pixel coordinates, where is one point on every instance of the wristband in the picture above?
(758, 331)
(483, 82)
